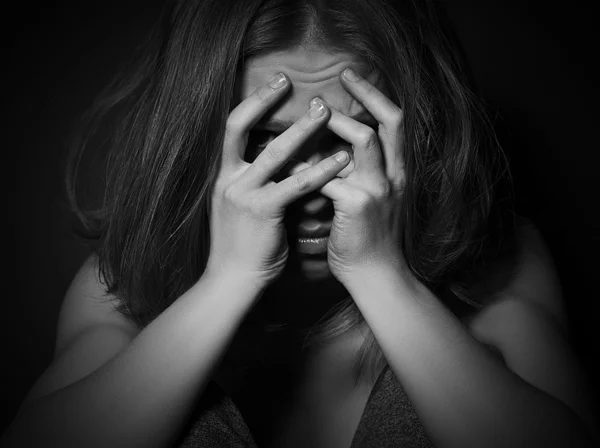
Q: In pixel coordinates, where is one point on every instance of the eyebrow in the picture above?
(363, 117)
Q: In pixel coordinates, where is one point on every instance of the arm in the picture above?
(126, 391)
(463, 394)
(109, 388)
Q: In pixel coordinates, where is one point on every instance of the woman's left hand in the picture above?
(366, 230)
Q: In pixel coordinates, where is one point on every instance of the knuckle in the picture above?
(329, 169)
(219, 185)
(307, 124)
(368, 138)
(301, 183)
(264, 93)
(361, 200)
(321, 171)
(383, 188)
(299, 130)
(273, 152)
(231, 193)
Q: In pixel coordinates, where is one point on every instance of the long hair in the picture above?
(151, 232)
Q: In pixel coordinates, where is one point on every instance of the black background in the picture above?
(534, 65)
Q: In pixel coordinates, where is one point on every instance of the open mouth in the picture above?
(312, 246)
(309, 236)
(308, 223)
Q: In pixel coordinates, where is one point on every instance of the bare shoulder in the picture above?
(535, 283)
(87, 304)
(537, 280)
(534, 291)
(89, 334)
(528, 325)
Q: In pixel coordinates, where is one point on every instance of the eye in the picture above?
(260, 139)
(257, 142)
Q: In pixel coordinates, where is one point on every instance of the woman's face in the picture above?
(312, 73)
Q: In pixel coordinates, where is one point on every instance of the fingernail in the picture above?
(351, 75)
(277, 81)
(341, 156)
(315, 101)
(317, 109)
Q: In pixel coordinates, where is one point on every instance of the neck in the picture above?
(300, 304)
(289, 308)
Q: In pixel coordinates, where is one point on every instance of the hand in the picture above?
(247, 208)
(367, 196)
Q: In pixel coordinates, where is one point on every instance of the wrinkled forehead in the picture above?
(312, 73)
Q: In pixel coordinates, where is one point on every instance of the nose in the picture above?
(316, 149)
(321, 145)
(315, 205)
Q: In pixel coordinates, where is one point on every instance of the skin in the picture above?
(432, 353)
(464, 395)
(312, 285)
(312, 73)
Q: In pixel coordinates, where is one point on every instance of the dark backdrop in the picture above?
(533, 63)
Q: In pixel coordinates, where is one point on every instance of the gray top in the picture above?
(389, 420)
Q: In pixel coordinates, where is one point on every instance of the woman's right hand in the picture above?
(246, 224)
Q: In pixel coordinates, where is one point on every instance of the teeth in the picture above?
(312, 240)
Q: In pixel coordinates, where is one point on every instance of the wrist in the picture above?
(377, 275)
(375, 269)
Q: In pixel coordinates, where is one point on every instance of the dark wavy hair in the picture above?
(151, 232)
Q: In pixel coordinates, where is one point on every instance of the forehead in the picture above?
(312, 73)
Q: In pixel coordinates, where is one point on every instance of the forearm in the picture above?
(462, 393)
(143, 395)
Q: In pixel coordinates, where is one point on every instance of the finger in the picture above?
(335, 189)
(243, 118)
(304, 181)
(368, 157)
(389, 116)
(279, 151)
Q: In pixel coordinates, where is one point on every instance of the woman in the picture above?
(305, 245)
